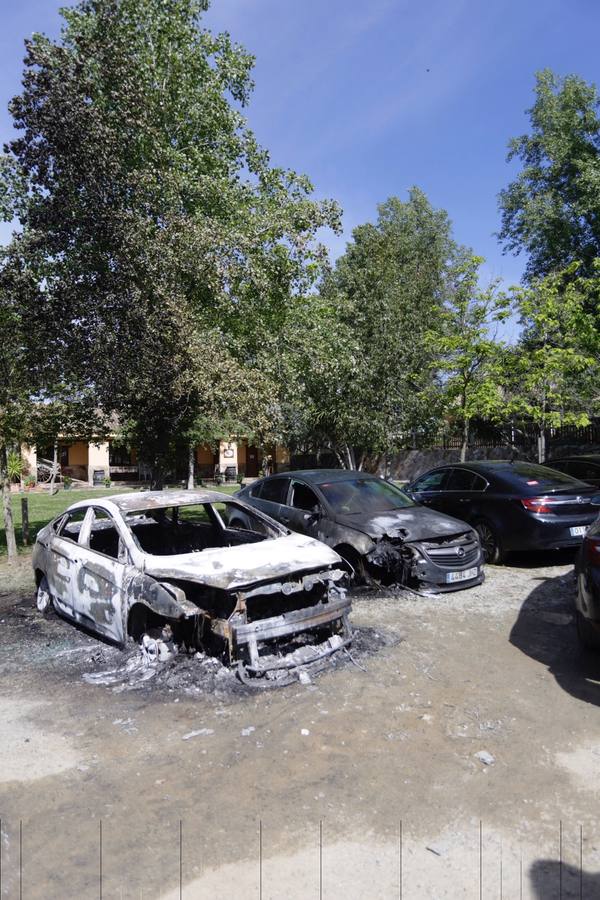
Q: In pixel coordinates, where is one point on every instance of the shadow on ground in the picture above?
(545, 631)
(535, 559)
(549, 878)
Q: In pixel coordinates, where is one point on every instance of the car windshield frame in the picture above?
(336, 491)
(170, 512)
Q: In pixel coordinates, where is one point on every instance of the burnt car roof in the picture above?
(157, 499)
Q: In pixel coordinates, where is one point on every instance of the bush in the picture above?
(106, 482)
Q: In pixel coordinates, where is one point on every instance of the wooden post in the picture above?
(25, 520)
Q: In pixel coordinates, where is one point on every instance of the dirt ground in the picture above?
(365, 783)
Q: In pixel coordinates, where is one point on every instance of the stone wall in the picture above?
(406, 465)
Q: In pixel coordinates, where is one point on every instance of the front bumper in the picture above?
(248, 638)
(432, 577)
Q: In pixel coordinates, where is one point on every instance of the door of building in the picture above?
(252, 462)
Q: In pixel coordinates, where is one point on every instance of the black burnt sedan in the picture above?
(512, 505)
(587, 603)
(377, 528)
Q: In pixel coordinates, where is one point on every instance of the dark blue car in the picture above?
(512, 505)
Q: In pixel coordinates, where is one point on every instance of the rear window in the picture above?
(534, 478)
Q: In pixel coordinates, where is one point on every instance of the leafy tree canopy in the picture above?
(551, 210)
(157, 220)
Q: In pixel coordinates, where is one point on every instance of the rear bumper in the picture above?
(546, 533)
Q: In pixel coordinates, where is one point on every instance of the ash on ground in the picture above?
(198, 674)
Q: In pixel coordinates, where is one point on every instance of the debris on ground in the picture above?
(486, 758)
(200, 732)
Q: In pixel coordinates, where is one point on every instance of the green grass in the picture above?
(43, 508)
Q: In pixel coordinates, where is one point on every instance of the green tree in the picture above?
(469, 356)
(552, 375)
(158, 217)
(386, 292)
(551, 210)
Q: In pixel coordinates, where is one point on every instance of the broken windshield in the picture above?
(364, 495)
(191, 528)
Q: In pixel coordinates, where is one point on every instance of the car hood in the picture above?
(230, 568)
(415, 523)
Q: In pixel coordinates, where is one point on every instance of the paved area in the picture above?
(461, 752)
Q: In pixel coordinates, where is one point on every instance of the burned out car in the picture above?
(202, 567)
(384, 534)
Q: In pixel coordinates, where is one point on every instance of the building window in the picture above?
(119, 456)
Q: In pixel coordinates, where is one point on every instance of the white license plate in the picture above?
(578, 530)
(462, 576)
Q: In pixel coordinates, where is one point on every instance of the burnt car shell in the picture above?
(409, 545)
(121, 565)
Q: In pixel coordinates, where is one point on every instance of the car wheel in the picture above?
(588, 636)
(43, 597)
(490, 543)
(354, 559)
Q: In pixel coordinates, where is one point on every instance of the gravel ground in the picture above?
(459, 751)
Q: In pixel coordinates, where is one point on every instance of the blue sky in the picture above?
(369, 98)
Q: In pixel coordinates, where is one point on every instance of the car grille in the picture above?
(454, 555)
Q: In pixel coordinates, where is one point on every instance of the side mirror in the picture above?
(313, 516)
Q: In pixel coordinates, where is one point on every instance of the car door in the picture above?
(429, 488)
(63, 558)
(304, 510)
(103, 571)
(463, 489)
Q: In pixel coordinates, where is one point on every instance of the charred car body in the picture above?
(378, 529)
(216, 574)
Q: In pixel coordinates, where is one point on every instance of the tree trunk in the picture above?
(542, 445)
(341, 459)
(350, 457)
(54, 470)
(9, 525)
(191, 462)
(465, 441)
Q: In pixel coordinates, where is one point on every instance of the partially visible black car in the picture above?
(585, 467)
(374, 526)
(587, 602)
(512, 505)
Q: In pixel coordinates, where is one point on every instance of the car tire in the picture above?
(490, 543)
(589, 638)
(354, 559)
(43, 598)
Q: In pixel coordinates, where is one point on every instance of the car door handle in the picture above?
(285, 520)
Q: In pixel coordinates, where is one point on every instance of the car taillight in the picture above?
(536, 504)
(592, 549)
